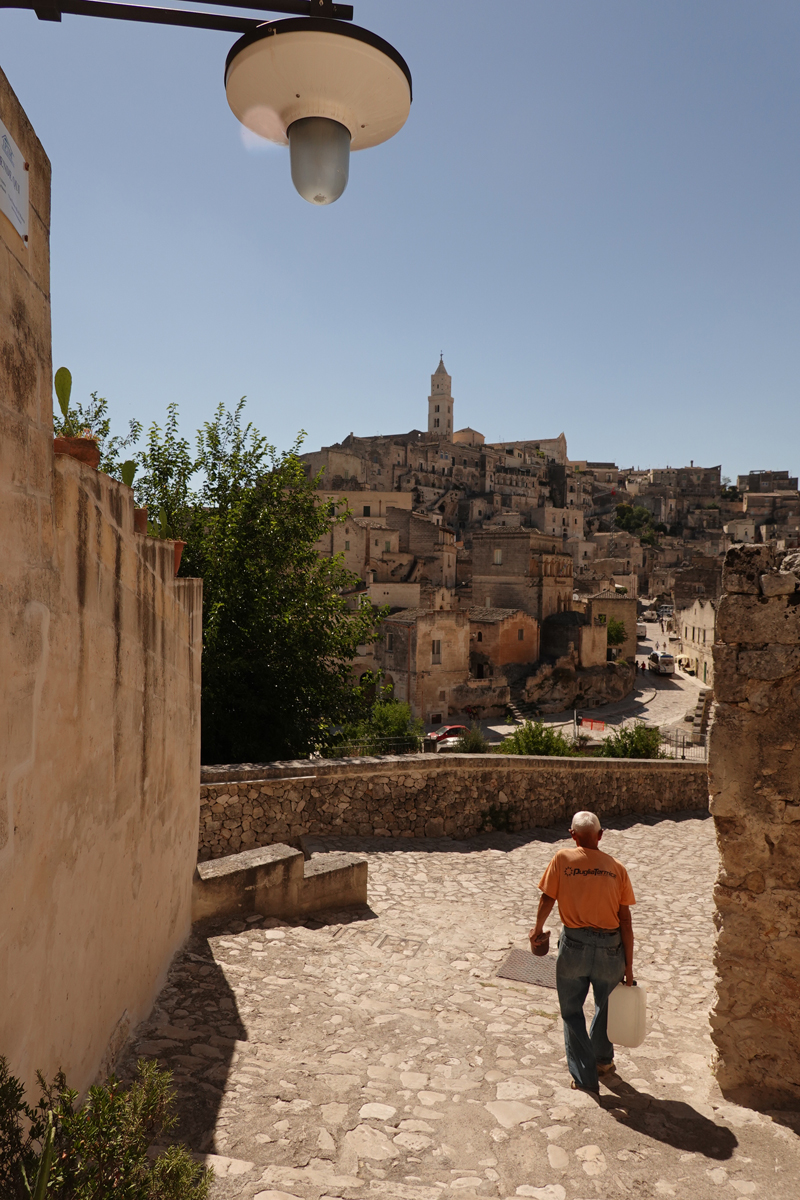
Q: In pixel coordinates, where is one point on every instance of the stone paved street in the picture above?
(377, 1054)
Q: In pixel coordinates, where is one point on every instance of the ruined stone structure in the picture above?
(99, 711)
(754, 774)
(455, 795)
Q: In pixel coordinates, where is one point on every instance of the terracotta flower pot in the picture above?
(178, 552)
(86, 450)
(140, 520)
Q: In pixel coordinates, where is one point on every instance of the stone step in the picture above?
(276, 881)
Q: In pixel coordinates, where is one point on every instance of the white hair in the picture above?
(584, 821)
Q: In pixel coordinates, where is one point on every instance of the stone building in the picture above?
(607, 606)
(696, 625)
(501, 638)
(424, 654)
(516, 568)
(440, 404)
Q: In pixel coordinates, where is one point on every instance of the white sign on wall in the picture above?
(13, 183)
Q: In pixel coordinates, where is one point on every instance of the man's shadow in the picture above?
(670, 1121)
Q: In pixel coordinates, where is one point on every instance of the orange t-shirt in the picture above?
(589, 886)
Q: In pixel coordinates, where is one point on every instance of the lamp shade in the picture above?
(286, 71)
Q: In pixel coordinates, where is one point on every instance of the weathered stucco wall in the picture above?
(99, 711)
(754, 775)
(430, 795)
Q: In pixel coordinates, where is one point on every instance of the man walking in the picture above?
(594, 896)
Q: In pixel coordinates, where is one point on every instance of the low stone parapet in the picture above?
(427, 795)
(275, 881)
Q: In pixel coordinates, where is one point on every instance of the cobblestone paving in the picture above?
(378, 1054)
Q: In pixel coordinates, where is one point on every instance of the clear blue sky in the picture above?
(593, 210)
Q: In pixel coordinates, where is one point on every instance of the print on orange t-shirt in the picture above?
(589, 886)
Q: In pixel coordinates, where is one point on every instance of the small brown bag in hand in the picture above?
(541, 944)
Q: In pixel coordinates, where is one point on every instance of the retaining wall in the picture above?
(430, 795)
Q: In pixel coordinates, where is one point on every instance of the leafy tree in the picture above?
(168, 466)
(536, 738)
(74, 419)
(97, 1150)
(633, 741)
(278, 635)
(616, 632)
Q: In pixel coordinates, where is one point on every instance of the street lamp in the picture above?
(313, 82)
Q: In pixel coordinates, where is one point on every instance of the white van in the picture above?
(641, 629)
(661, 663)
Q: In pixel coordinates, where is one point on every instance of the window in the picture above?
(436, 408)
(480, 636)
(436, 651)
(520, 635)
(347, 545)
(376, 541)
(498, 557)
(390, 643)
(366, 510)
(387, 547)
(435, 422)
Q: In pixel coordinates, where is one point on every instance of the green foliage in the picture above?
(633, 741)
(92, 420)
(387, 728)
(638, 520)
(473, 741)
(536, 738)
(98, 1150)
(616, 632)
(278, 635)
(730, 492)
(167, 465)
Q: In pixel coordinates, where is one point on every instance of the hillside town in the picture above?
(515, 576)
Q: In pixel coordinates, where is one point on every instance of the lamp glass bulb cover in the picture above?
(319, 151)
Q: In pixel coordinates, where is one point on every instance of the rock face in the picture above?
(754, 776)
(430, 795)
(561, 686)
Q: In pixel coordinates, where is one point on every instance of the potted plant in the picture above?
(78, 443)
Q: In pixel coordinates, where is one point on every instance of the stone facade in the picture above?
(754, 770)
(430, 796)
(99, 711)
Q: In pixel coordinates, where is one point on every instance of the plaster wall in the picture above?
(99, 711)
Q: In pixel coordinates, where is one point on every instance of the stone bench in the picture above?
(276, 881)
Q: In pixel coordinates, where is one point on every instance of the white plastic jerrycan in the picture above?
(627, 1015)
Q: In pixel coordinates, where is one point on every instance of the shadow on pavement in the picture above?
(672, 1121)
(504, 842)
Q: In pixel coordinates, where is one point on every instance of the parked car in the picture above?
(641, 629)
(650, 615)
(448, 736)
(661, 662)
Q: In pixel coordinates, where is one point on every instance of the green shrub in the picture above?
(389, 728)
(633, 741)
(473, 741)
(616, 632)
(536, 738)
(100, 1148)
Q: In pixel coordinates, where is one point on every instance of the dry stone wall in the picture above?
(430, 796)
(754, 775)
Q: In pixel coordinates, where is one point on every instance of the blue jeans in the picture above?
(596, 957)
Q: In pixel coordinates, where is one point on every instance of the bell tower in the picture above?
(440, 404)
